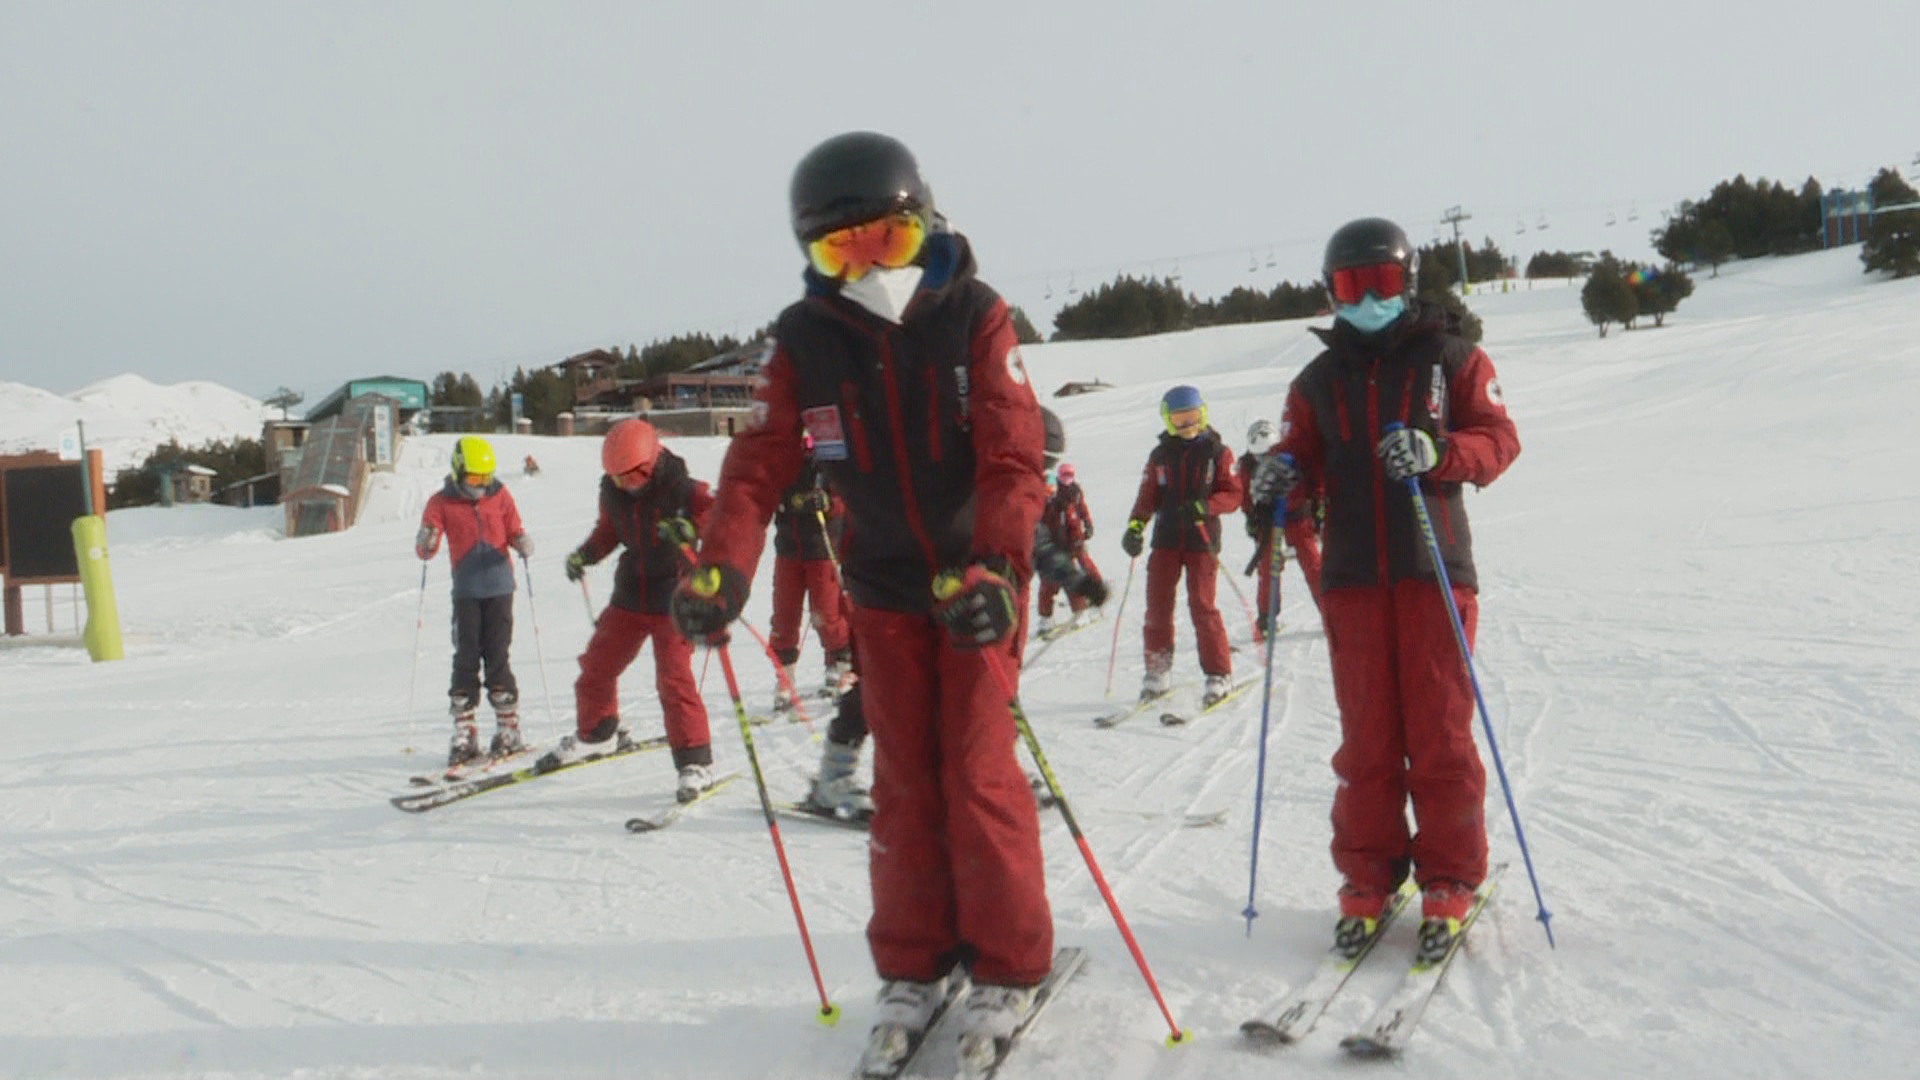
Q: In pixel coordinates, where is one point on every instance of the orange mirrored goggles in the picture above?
(891, 242)
(478, 480)
(1185, 418)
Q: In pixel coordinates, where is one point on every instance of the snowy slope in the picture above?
(127, 416)
(1697, 645)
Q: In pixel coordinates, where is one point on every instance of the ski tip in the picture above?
(1361, 1046)
(1172, 719)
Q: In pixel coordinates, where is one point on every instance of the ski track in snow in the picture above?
(1696, 648)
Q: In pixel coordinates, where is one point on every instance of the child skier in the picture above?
(477, 515)
(905, 369)
(1188, 483)
(804, 575)
(1069, 525)
(1405, 697)
(651, 507)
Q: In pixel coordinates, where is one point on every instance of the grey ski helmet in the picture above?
(1367, 242)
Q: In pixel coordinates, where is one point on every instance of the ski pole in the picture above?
(829, 1012)
(586, 595)
(1466, 657)
(539, 653)
(413, 673)
(1275, 561)
(1114, 653)
(1177, 1036)
(705, 660)
(780, 675)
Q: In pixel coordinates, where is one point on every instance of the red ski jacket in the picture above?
(650, 567)
(478, 528)
(1421, 375)
(929, 430)
(1180, 471)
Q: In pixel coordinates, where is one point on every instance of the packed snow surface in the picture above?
(1698, 646)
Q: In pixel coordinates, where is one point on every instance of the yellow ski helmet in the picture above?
(472, 456)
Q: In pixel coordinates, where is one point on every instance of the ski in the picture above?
(891, 1048)
(457, 773)
(655, 822)
(1385, 1034)
(1174, 719)
(422, 801)
(1146, 701)
(1290, 1021)
(810, 811)
(981, 1057)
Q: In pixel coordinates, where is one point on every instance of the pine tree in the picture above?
(1607, 297)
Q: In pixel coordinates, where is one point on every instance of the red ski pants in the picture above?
(1406, 730)
(954, 853)
(1164, 568)
(616, 641)
(1306, 553)
(814, 583)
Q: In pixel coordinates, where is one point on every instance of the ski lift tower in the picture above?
(1454, 216)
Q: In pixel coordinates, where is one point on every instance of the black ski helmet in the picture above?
(1056, 443)
(855, 177)
(1369, 242)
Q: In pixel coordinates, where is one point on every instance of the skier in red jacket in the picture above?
(477, 515)
(1396, 394)
(905, 369)
(804, 577)
(1188, 483)
(652, 508)
(1069, 525)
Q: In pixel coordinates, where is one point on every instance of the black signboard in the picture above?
(40, 503)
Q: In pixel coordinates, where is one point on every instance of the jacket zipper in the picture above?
(933, 414)
(856, 428)
(1379, 476)
(903, 464)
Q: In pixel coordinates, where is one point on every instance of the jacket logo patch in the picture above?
(1495, 395)
(829, 435)
(1016, 367)
(1437, 396)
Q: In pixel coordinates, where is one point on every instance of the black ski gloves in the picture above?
(977, 604)
(709, 599)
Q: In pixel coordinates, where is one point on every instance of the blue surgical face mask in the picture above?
(1372, 314)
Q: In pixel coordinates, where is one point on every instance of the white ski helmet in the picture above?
(1261, 437)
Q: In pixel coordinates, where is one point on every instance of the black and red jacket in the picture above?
(928, 430)
(1425, 376)
(649, 567)
(1066, 517)
(797, 532)
(1178, 472)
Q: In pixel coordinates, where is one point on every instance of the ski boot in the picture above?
(606, 737)
(506, 716)
(839, 674)
(1155, 685)
(1216, 690)
(695, 781)
(988, 1019)
(836, 789)
(1443, 907)
(465, 745)
(783, 691)
(906, 1010)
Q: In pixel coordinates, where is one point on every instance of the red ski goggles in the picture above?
(847, 254)
(1351, 284)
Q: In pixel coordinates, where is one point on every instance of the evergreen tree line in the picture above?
(231, 461)
(1742, 219)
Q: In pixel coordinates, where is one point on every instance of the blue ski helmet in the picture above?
(1180, 399)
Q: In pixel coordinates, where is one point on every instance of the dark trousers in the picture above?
(482, 632)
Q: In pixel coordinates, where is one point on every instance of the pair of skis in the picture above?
(417, 802)
(892, 1049)
(1385, 1033)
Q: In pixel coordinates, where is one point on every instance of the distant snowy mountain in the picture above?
(127, 416)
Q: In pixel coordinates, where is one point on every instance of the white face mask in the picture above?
(884, 292)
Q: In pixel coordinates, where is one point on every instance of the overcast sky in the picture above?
(279, 193)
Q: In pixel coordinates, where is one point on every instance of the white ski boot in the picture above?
(988, 1018)
(1216, 691)
(506, 715)
(906, 1010)
(464, 747)
(695, 781)
(837, 787)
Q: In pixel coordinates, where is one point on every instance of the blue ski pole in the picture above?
(1274, 557)
(1466, 656)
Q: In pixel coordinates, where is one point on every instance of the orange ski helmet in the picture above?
(629, 451)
